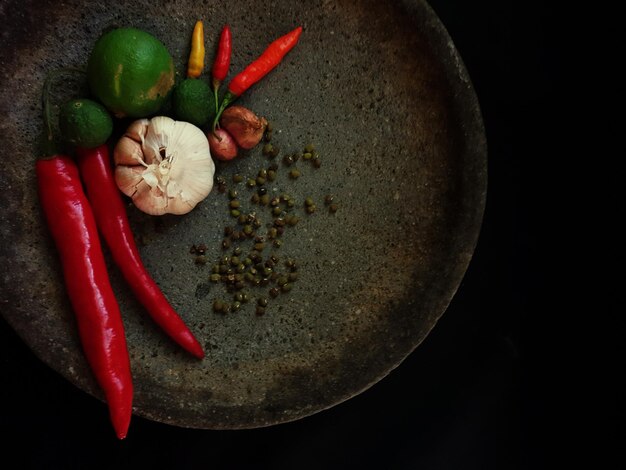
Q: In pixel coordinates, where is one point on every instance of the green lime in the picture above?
(131, 72)
(85, 123)
(194, 102)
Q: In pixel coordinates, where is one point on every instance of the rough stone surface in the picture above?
(381, 91)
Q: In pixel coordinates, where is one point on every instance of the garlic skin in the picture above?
(165, 166)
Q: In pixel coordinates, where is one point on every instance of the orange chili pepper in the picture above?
(196, 56)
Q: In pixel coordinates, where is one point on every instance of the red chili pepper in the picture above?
(110, 214)
(222, 59)
(100, 325)
(264, 64)
(270, 58)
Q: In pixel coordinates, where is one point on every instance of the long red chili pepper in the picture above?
(112, 221)
(222, 60)
(265, 63)
(73, 228)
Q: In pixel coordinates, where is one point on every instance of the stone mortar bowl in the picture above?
(380, 90)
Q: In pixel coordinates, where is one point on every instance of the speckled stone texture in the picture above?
(381, 91)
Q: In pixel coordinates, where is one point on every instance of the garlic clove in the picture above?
(128, 178)
(128, 151)
(164, 165)
(138, 129)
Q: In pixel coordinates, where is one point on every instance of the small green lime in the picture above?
(194, 102)
(85, 123)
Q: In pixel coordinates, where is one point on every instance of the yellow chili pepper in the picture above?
(196, 57)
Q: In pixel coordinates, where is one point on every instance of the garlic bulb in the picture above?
(165, 166)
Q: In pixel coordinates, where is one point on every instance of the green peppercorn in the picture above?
(237, 178)
(272, 232)
(274, 153)
(309, 201)
(245, 297)
(294, 174)
(277, 243)
(286, 287)
(311, 209)
(276, 211)
(267, 149)
(282, 280)
(236, 306)
(234, 204)
(247, 262)
(232, 193)
(215, 277)
(307, 156)
(292, 220)
(262, 301)
(218, 305)
(215, 268)
(235, 213)
(271, 175)
(251, 182)
(254, 199)
(259, 246)
(247, 229)
(309, 148)
(274, 292)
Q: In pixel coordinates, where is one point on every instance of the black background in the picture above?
(477, 394)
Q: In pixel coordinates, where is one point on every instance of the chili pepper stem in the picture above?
(228, 99)
(216, 87)
(47, 112)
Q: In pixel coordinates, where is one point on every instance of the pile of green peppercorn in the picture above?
(260, 267)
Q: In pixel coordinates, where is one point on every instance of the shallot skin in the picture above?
(222, 144)
(246, 127)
